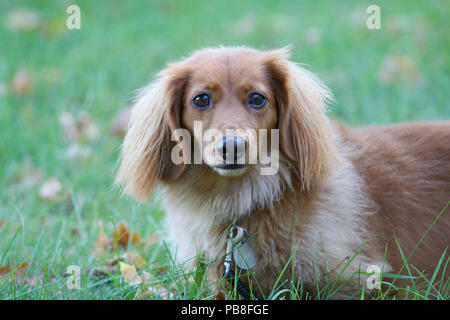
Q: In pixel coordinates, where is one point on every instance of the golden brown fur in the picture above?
(336, 188)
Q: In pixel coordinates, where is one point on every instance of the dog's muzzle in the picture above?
(232, 149)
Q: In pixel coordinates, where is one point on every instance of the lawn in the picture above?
(61, 91)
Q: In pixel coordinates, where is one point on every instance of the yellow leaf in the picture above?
(129, 273)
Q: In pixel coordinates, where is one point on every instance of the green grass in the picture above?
(119, 48)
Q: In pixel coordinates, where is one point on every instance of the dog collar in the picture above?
(239, 250)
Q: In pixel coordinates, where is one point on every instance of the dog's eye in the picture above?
(256, 100)
(202, 101)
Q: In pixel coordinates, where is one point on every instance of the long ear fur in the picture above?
(305, 131)
(145, 157)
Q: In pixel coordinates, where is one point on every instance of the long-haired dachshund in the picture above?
(338, 201)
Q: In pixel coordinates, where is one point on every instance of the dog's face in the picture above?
(230, 94)
(224, 89)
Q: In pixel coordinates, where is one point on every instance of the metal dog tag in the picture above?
(245, 255)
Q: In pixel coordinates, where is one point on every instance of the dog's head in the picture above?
(225, 98)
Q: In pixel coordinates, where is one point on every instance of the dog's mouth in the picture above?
(230, 166)
(230, 170)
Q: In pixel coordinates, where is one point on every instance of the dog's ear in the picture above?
(146, 150)
(305, 131)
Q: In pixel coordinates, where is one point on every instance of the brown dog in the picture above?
(335, 190)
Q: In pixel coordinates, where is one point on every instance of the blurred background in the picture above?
(64, 94)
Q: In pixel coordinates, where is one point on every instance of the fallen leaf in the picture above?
(77, 151)
(78, 128)
(23, 19)
(88, 127)
(151, 292)
(134, 259)
(21, 82)
(220, 296)
(102, 244)
(50, 190)
(18, 269)
(122, 235)
(129, 274)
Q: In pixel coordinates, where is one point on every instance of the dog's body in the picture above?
(337, 190)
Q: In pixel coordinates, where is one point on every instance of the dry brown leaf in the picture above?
(18, 269)
(22, 82)
(80, 127)
(50, 190)
(220, 296)
(134, 259)
(148, 291)
(102, 244)
(122, 235)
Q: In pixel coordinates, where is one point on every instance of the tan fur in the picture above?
(336, 189)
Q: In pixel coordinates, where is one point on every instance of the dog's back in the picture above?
(407, 172)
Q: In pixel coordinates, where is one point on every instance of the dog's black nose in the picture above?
(233, 147)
